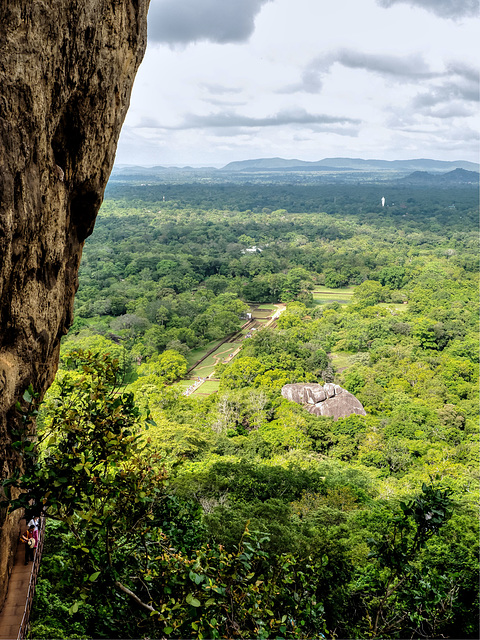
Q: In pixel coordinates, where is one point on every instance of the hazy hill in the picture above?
(275, 164)
(137, 170)
(457, 176)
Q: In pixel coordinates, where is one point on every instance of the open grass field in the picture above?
(206, 367)
(348, 291)
(343, 295)
(205, 389)
(203, 370)
(262, 313)
(196, 354)
(182, 384)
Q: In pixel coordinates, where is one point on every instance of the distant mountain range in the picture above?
(138, 170)
(329, 170)
(345, 164)
(457, 176)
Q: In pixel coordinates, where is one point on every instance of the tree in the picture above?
(392, 277)
(370, 293)
(424, 333)
(241, 373)
(393, 580)
(89, 470)
(296, 281)
(169, 365)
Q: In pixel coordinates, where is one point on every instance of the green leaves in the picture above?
(192, 600)
(29, 394)
(90, 473)
(196, 578)
(74, 608)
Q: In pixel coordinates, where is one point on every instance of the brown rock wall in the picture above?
(66, 72)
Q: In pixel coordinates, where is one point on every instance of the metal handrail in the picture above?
(22, 632)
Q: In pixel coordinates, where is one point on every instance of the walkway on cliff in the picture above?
(21, 586)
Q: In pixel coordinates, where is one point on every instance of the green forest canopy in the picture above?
(248, 516)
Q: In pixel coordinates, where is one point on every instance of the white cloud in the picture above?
(453, 9)
(227, 119)
(232, 79)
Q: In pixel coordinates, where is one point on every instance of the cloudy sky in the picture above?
(226, 80)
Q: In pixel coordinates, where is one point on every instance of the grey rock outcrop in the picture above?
(327, 400)
(66, 72)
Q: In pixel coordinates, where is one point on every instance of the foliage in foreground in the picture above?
(128, 558)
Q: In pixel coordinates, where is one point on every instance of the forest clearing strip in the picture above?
(219, 344)
(239, 335)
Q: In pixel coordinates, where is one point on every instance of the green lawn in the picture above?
(322, 295)
(207, 367)
(206, 388)
(203, 370)
(319, 298)
(345, 291)
(182, 384)
(262, 313)
(196, 354)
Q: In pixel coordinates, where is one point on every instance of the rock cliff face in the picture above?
(329, 400)
(66, 73)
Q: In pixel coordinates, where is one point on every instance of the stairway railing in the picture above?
(22, 632)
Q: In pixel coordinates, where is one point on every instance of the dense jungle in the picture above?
(230, 512)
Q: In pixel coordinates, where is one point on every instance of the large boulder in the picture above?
(328, 400)
(66, 72)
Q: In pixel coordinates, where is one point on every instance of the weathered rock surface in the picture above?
(327, 400)
(66, 72)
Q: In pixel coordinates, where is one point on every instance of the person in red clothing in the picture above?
(30, 540)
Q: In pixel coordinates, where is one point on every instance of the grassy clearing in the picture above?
(340, 360)
(196, 354)
(203, 370)
(344, 291)
(182, 384)
(205, 389)
(262, 313)
(225, 349)
(321, 299)
(219, 355)
(322, 295)
(208, 365)
(231, 347)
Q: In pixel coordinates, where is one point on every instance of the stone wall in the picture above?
(66, 73)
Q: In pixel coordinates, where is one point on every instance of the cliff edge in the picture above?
(66, 72)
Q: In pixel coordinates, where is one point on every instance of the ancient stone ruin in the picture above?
(328, 400)
(66, 72)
